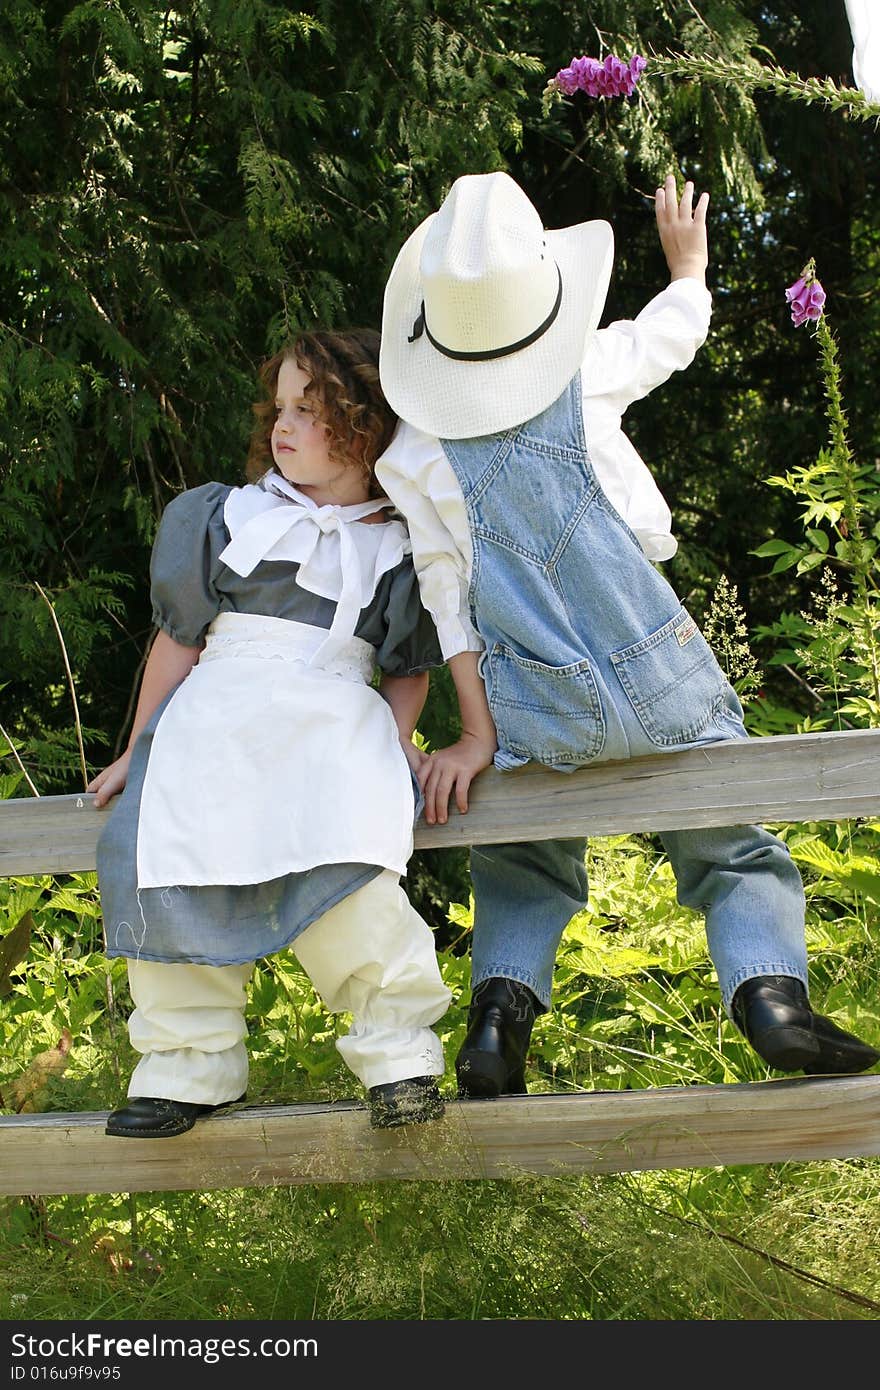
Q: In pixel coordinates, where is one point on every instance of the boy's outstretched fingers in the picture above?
(682, 229)
(672, 210)
(664, 198)
(702, 207)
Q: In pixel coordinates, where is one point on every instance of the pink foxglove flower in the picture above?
(806, 296)
(611, 78)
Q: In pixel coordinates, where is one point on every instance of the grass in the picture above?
(783, 1242)
(635, 1007)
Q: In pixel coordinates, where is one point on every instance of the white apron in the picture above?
(262, 765)
(275, 754)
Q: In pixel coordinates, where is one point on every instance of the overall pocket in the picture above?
(552, 714)
(672, 681)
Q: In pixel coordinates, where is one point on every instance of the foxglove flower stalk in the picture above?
(806, 296)
(611, 78)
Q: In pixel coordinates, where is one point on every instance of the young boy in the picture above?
(535, 529)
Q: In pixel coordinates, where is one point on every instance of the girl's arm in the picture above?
(454, 768)
(166, 667)
(407, 695)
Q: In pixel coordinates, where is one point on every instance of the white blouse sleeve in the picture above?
(626, 360)
(415, 473)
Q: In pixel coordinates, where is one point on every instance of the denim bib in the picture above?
(590, 655)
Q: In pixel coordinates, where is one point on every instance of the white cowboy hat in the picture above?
(486, 315)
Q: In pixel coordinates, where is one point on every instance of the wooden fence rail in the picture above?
(789, 777)
(602, 1132)
(800, 778)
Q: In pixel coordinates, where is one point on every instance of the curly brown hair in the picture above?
(343, 365)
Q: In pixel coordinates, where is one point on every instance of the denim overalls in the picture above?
(590, 656)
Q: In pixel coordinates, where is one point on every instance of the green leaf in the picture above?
(772, 548)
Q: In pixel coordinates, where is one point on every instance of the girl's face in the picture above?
(300, 445)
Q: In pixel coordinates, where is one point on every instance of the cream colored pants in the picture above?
(371, 955)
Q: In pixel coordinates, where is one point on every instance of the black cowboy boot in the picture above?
(409, 1102)
(151, 1117)
(492, 1058)
(774, 1013)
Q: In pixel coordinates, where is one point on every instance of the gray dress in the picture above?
(190, 586)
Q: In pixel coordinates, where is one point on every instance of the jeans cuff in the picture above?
(749, 972)
(512, 972)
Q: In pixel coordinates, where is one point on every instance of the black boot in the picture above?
(492, 1058)
(409, 1102)
(151, 1117)
(774, 1013)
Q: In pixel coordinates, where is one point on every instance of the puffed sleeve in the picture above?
(408, 644)
(190, 537)
(415, 473)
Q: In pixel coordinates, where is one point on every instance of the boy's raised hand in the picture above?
(682, 229)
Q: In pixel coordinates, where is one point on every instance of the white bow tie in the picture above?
(277, 522)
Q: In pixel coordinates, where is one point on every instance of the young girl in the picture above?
(535, 529)
(269, 798)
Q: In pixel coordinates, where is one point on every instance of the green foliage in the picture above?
(636, 1005)
(835, 644)
(788, 1242)
(180, 190)
(726, 630)
(855, 877)
(645, 134)
(62, 984)
(830, 650)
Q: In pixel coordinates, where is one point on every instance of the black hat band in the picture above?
(420, 326)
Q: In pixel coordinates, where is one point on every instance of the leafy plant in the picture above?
(835, 646)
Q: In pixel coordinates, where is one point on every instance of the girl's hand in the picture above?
(168, 663)
(682, 230)
(453, 769)
(416, 757)
(111, 780)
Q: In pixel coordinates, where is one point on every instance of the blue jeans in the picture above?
(591, 656)
(741, 877)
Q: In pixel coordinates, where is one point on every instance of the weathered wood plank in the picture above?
(599, 1132)
(788, 777)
